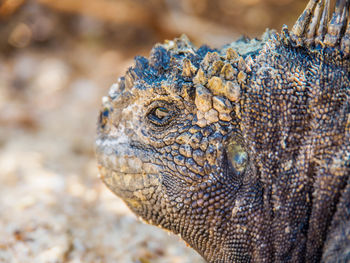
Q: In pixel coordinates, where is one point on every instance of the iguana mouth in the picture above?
(147, 168)
(127, 165)
(125, 180)
(125, 157)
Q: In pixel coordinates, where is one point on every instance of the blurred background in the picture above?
(57, 59)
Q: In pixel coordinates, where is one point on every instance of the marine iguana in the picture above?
(243, 151)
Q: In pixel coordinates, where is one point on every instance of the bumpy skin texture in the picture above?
(243, 151)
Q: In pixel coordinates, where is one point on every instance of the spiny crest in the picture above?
(174, 60)
(180, 63)
(314, 28)
(211, 79)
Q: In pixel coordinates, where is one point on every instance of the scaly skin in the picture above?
(243, 151)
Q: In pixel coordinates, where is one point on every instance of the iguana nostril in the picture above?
(103, 118)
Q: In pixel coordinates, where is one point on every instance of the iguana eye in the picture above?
(161, 112)
(237, 156)
(160, 115)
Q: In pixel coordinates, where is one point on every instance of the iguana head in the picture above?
(170, 143)
(241, 150)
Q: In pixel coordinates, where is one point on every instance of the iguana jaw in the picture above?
(126, 170)
(135, 189)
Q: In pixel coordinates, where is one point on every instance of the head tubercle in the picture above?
(178, 67)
